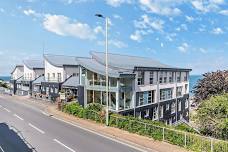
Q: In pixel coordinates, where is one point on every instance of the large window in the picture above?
(155, 113)
(151, 77)
(178, 76)
(59, 77)
(140, 78)
(166, 94)
(161, 77)
(170, 77)
(179, 91)
(173, 107)
(185, 76)
(144, 98)
(165, 77)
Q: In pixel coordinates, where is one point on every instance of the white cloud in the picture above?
(207, 5)
(64, 26)
(182, 27)
(99, 29)
(30, 12)
(217, 31)
(2, 10)
(145, 22)
(117, 3)
(73, 1)
(117, 17)
(183, 47)
(161, 7)
(162, 45)
(137, 36)
(189, 18)
(224, 12)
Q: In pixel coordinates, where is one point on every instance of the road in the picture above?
(25, 128)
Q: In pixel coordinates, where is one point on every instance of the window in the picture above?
(140, 78)
(155, 113)
(53, 75)
(166, 94)
(181, 116)
(52, 90)
(151, 77)
(179, 106)
(186, 76)
(170, 77)
(165, 77)
(161, 111)
(140, 98)
(186, 88)
(167, 106)
(56, 90)
(160, 77)
(186, 103)
(59, 77)
(179, 91)
(149, 96)
(178, 76)
(173, 108)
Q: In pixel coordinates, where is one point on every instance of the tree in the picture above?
(213, 83)
(212, 117)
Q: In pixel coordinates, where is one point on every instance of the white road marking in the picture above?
(121, 141)
(64, 145)
(6, 109)
(44, 113)
(1, 149)
(41, 131)
(18, 117)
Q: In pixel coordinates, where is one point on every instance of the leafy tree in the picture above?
(212, 116)
(213, 83)
(4, 85)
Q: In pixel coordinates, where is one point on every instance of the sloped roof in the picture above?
(17, 66)
(71, 82)
(34, 64)
(39, 80)
(93, 65)
(127, 61)
(60, 60)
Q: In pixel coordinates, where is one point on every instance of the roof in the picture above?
(17, 66)
(93, 65)
(127, 61)
(39, 80)
(71, 82)
(34, 64)
(60, 60)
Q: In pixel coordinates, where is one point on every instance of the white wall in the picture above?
(49, 68)
(28, 73)
(17, 73)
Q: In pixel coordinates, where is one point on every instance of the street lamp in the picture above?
(106, 62)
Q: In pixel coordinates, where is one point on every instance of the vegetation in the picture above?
(3, 84)
(211, 84)
(153, 129)
(212, 116)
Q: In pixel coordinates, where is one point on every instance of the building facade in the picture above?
(16, 74)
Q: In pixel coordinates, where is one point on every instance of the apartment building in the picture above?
(58, 69)
(138, 86)
(32, 70)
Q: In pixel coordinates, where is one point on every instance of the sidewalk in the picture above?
(115, 133)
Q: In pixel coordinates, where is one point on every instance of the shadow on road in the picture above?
(12, 141)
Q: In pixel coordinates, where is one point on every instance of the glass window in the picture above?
(173, 107)
(53, 75)
(179, 106)
(113, 82)
(89, 96)
(112, 101)
(140, 98)
(140, 78)
(97, 97)
(165, 77)
(167, 106)
(155, 113)
(166, 94)
(161, 77)
(178, 76)
(186, 103)
(59, 77)
(151, 77)
(161, 111)
(170, 77)
(179, 91)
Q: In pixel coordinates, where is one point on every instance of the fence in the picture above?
(184, 139)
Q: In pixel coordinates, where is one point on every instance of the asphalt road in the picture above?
(24, 128)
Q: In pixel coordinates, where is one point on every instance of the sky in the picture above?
(182, 33)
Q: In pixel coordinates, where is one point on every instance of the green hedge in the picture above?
(153, 129)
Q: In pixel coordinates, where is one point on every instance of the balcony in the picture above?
(54, 79)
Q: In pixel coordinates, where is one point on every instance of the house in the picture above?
(16, 74)
(58, 69)
(32, 70)
(138, 86)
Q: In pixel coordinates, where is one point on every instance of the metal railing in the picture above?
(184, 139)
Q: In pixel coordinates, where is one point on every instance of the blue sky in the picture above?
(182, 33)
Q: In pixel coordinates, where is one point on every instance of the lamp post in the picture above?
(106, 64)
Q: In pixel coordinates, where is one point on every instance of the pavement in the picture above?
(34, 125)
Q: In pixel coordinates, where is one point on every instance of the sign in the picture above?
(62, 96)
